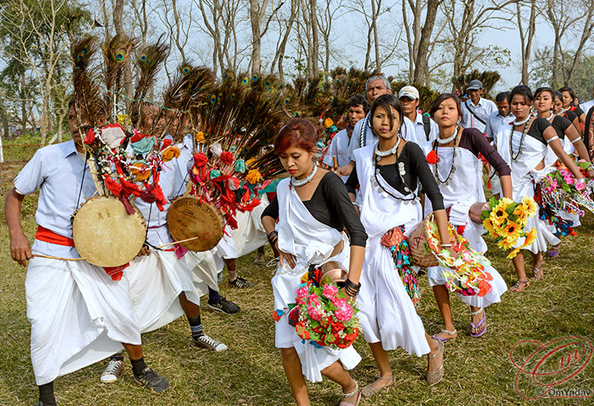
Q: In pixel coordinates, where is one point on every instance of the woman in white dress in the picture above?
(388, 173)
(454, 158)
(570, 138)
(524, 144)
(313, 208)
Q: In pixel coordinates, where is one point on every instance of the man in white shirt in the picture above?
(363, 135)
(339, 148)
(425, 129)
(476, 110)
(501, 116)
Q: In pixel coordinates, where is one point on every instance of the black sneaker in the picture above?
(241, 283)
(223, 306)
(152, 380)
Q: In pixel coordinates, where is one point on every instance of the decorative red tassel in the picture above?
(115, 273)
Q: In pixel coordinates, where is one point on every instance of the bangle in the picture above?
(445, 245)
(271, 233)
(581, 180)
(351, 288)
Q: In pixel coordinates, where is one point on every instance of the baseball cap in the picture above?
(474, 85)
(409, 91)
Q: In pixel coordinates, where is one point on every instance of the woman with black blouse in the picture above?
(524, 144)
(388, 174)
(458, 172)
(568, 103)
(567, 113)
(313, 208)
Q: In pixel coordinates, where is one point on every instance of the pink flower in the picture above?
(344, 314)
(568, 179)
(315, 313)
(339, 302)
(580, 186)
(302, 292)
(329, 291)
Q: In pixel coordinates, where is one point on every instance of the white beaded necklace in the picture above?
(443, 141)
(300, 182)
(516, 122)
(380, 154)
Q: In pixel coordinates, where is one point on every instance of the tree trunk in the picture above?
(315, 70)
(374, 13)
(421, 74)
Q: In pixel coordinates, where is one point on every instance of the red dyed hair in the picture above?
(297, 132)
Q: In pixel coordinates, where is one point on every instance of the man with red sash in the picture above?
(78, 313)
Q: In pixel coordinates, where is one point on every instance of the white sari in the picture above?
(524, 177)
(386, 311)
(311, 242)
(463, 190)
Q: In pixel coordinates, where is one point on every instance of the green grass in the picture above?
(250, 373)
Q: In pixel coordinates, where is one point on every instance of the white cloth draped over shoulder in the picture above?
(78, 316)
(525, 176)
(250, 234)
(463, 190)
(386, 311)
(311, 242)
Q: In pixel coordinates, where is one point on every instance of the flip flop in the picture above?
(474, 326)
(442, 339)
(516, 287)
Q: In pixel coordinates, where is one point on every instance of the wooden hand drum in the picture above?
(105, 235)
(188, 218)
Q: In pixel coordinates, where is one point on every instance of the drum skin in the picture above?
(189, 218)
(105, 235)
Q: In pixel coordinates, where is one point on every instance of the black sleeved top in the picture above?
(537, 128)
(330, 204)
(474, 141)
(416, 169)
(561, 124)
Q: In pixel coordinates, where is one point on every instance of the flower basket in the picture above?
(424, 242)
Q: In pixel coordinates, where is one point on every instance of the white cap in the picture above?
(409, 91)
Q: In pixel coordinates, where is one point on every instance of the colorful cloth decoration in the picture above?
(397, 243)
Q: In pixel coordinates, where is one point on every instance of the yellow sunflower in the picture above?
(530, 237)
(531, 206)
(498, 214)
(513, 230)
(513, 253)
(200, 137)
(507, 243)
(521, 212)
(489, 227)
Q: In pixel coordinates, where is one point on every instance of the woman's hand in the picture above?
(290, 259)
(590, 173)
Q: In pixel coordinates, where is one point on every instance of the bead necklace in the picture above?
(518, 123)
(447, 140)
(401, 171)
(454, 137)
(380, 154)
(511, 136)
(300, 182)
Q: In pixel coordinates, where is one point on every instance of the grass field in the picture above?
(477, 371)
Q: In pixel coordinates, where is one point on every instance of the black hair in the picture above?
(440, 99)
(569, 90)
(522, 90)
(557, 95)
(501, 97)
(359, 100)
(387, 101)
(544, 89)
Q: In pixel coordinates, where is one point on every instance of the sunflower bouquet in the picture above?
(327, 317)
(505, 221)
(464, 268)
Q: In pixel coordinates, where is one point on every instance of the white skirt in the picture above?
(156, 281)
(313, 359)
(204, 270)
(78, 316)
(387, 313)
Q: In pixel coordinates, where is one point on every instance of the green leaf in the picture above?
(510, 209)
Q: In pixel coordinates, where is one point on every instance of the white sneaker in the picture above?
(208, 343)
(112, 371)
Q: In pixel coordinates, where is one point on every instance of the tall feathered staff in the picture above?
(87, 94)
(115, 53)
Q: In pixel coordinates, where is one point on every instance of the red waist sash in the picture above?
(43, 234)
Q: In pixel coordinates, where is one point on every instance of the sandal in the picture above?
(370, 390)
(555, 251)
(356, 393)
(537, 271)
(434, 377)
(482, 322)
(516, 287)
(443, 339)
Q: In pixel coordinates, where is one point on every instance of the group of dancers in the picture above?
(385, 184)
(390, 186)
